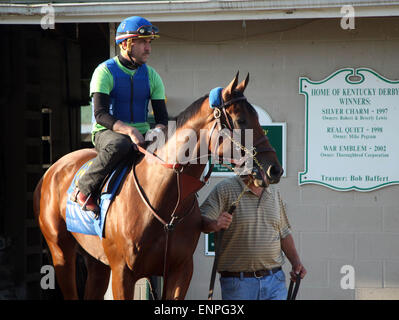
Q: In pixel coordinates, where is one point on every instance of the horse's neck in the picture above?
(187, 145)
(158, 181)
(162, 186)
(190, 156)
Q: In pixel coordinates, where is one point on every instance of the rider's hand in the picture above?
(136, 136)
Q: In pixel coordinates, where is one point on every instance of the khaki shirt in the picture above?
(252, 242)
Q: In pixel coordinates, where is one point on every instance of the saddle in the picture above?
(88, 222)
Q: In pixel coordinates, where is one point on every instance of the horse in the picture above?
(154, 223)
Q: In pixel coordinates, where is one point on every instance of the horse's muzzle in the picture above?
(271, 176)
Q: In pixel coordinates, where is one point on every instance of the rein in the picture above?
(292, 291)
(174, 219)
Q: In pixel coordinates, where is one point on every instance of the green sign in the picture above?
(210, 244)
(276, 134)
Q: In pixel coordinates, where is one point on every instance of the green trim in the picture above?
(351, 187)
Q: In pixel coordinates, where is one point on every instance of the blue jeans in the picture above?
(270, 287)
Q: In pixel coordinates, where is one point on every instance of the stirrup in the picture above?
(74, 198)
(85, 203)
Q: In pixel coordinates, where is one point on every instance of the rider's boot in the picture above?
(88, 203)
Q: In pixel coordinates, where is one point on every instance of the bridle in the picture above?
(219, 113)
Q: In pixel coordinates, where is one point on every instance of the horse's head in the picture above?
(235, 112)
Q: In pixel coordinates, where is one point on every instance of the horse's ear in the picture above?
(226, 94)
(241, 87)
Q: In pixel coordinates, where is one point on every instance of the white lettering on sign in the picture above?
(351, 130)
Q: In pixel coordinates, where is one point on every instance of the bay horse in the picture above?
(135, 244)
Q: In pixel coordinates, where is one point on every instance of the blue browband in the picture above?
(215, 98)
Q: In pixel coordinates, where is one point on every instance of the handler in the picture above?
(256, 236)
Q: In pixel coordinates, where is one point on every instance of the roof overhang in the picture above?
(197, 10)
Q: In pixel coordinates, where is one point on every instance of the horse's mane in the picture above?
(189, 112)
(184, 116)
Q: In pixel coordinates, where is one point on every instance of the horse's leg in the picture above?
(178, 281)
(63, 253)
(97, 277)
(123, 282)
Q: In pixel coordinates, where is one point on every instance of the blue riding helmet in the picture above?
(137, 28)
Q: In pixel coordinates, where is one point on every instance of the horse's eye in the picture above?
(241, 121)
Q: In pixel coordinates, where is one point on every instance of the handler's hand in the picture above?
(298, 269)
(224, 221)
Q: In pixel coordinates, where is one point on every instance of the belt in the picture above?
(251, 274)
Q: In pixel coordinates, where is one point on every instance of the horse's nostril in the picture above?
(274, 171)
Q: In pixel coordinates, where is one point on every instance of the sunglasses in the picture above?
(146, 31)
(140, 33)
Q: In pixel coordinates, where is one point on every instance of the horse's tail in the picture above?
(36, 199)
